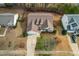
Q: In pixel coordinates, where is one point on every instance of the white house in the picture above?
(71, 23)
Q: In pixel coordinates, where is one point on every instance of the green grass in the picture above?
(45, 43)
(43, 55)
(69, 9)
(66, 8)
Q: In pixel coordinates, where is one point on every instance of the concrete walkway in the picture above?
(73, 46)
(31, 43)
(13, 52)
(4, 32)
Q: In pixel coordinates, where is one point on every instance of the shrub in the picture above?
(64, 32)
(44, 54)
(78, 35)
(24, 34)
(54, 32)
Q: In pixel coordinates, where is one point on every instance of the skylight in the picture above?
(71, 20)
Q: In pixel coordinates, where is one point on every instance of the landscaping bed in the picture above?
(43, 55)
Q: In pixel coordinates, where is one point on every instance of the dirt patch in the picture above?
(63, 45)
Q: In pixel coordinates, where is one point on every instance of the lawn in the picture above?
(46, 42)
(50, 42)
(43, 55)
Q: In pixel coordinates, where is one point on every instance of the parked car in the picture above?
(73, 38)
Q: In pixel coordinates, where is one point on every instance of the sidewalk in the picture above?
(31, 43)
(73, 46)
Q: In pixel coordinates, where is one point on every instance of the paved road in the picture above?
(31, 43)
(51, 52)
(73, 46)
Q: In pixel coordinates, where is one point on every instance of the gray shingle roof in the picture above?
(7, 19)
(44, 25)
(72, 22)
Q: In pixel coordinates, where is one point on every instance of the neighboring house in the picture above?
(71, 23)
(39, 22)
(7, 4)
(8, 19)
(2, 4)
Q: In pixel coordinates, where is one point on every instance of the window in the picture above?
(74, 25)
(71, 20)
(69, 27)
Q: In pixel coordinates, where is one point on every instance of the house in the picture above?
(8, 19)
(7, 4)
(2, 5)
(39, 22)
(71, 23)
